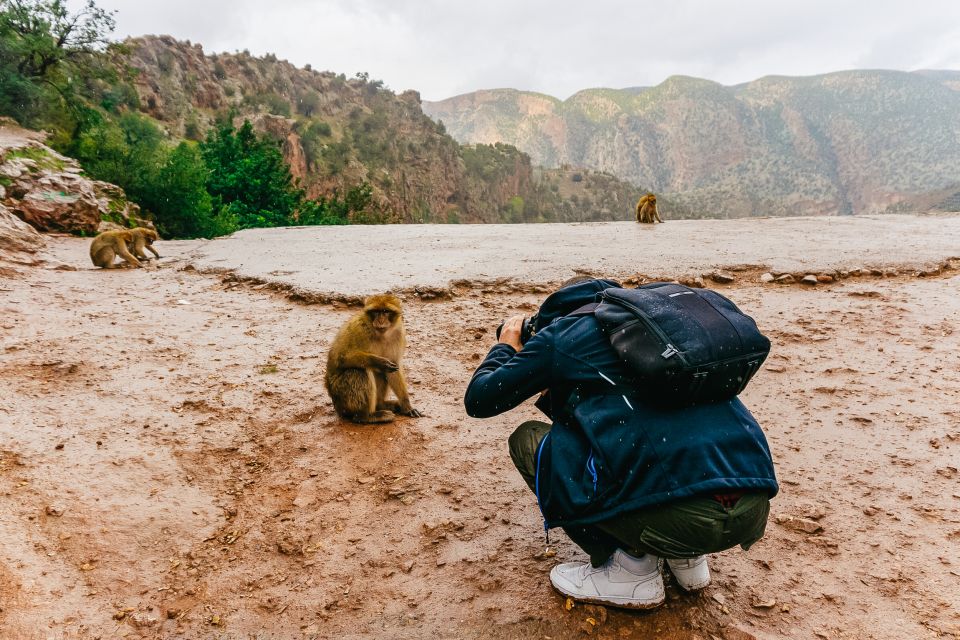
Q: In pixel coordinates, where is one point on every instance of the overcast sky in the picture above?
(447, 47)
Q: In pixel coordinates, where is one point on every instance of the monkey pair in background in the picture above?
(127, 243)
(647, 209)
(364, 361)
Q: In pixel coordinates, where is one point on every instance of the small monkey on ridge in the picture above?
(364, 361)
(647, 209)
(110, 244)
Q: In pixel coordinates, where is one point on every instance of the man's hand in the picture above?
(511, 332)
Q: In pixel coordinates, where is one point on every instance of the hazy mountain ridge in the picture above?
(845, 142)
(339, 132)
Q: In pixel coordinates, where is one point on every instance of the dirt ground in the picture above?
(171, 467)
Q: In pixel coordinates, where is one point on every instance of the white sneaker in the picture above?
(623, 581)
(692, 574)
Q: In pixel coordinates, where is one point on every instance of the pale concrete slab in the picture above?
(359, 260)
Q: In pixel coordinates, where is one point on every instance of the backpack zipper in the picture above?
(592, 470)
(671, 350)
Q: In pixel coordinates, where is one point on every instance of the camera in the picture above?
(526, 330)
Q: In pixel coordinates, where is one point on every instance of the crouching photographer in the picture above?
(649, 456)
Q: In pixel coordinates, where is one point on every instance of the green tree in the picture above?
(248, 176)
(46, 55)
(179, 200)
(128, 151)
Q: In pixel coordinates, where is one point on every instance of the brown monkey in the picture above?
(110, 244)
(647, 209)
(365, 359)
(143, 239)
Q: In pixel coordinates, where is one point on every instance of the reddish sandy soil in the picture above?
(171, 467)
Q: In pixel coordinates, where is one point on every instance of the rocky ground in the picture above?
(170, 467)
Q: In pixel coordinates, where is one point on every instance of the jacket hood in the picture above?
(570, 298)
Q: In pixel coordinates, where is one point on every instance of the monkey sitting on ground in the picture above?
(647, 209)
(365, 359)
(143, 238)
(110, 244)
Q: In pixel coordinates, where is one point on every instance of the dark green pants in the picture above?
(683, 529)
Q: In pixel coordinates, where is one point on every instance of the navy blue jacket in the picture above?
(613, 453)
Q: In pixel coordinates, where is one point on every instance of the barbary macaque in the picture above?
(647, 209)
(110, 244)
(143, 238)
(364, 361)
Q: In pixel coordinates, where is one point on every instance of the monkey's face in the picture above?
(382, 319)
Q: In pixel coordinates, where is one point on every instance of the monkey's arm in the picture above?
(398, 384)
(125, 254)
(507, 377)
(152, 250)
(364, 360)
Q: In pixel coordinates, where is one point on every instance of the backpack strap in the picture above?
(585, 310)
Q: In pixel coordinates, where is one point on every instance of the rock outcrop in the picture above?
(50, 192)
(16, 236)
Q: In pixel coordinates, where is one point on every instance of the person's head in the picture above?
(573, 293)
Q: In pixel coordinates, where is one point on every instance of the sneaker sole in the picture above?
(694, 588)
(621, 603)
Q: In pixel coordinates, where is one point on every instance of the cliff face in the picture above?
(335, 132)
(849, 142)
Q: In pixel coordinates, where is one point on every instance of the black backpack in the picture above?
(686, 346)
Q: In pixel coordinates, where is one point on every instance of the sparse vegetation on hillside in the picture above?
(840, 143)
(144, 114)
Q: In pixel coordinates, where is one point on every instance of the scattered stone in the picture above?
(545, 554)
(947, 472)
(767, 277)
(719, 598)
(764, 604)
(597, 612)
(54, 510)
(142, 620)
(811, 510)
(809, 279)
(786, 278)
(16, 235)
(722, 277)
(825, 278)
(803, 525)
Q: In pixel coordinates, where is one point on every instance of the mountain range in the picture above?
(849, 142)
(337, 132)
